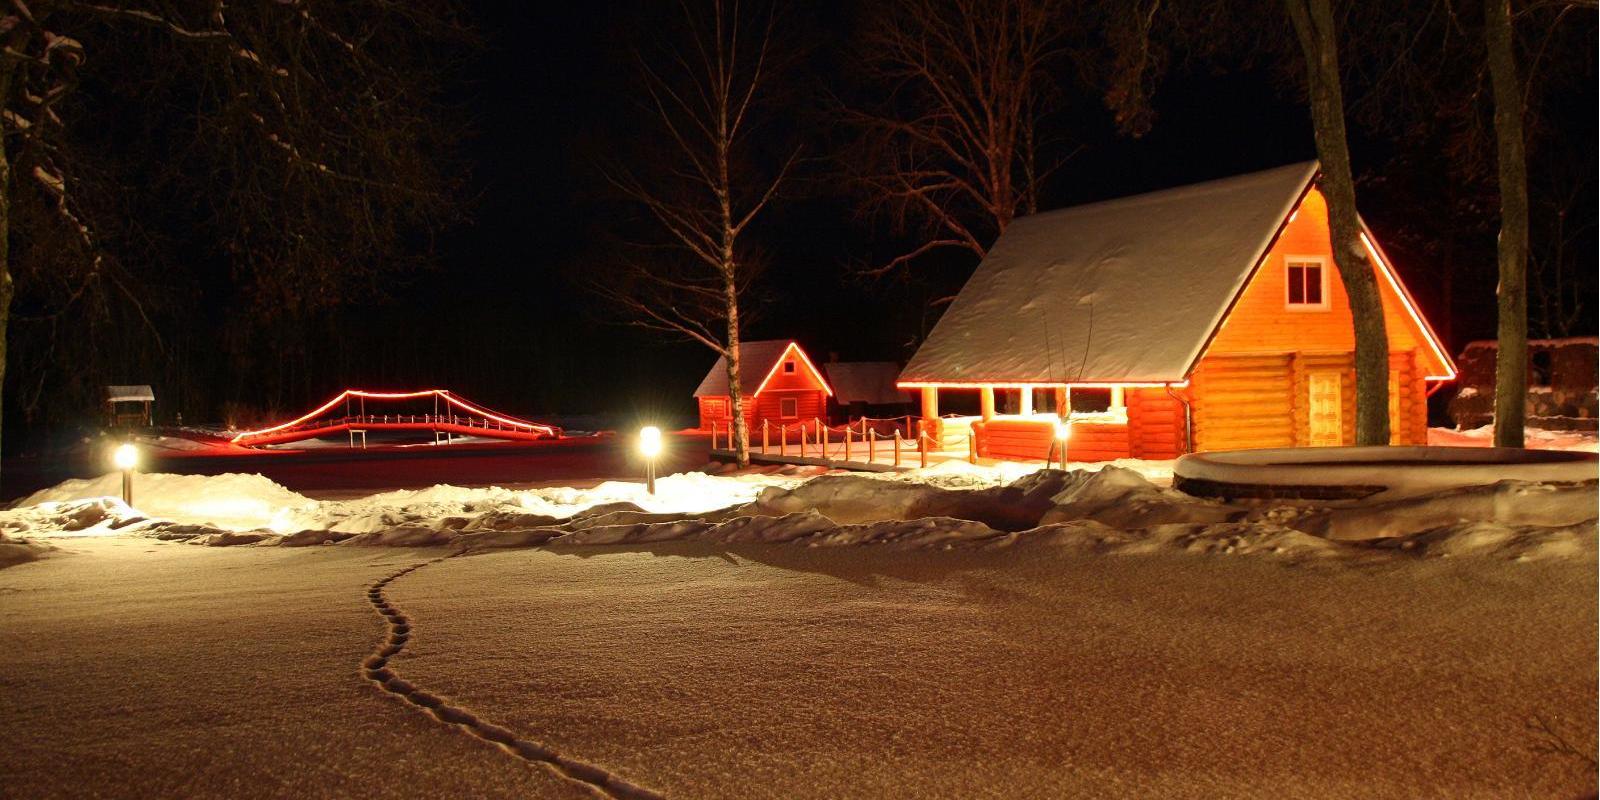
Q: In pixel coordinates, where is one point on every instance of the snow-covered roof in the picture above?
(870, 382)
(757, 360)
(129, 394)
(1126, 290)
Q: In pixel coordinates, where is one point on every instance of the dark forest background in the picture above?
(491, 302)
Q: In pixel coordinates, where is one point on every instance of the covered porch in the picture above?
(1028, 421)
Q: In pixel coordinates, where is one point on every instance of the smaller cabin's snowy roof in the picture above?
(1568, 341)
(870, 382)
(130, 394)
(1126, 290)
(756, 360)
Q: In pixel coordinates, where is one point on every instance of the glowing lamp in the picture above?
(650, 447)
(126, 457)
(1063, 435)
(650, 441)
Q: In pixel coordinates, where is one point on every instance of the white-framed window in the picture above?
(1306, 283)
(788, 407)
(788, 366)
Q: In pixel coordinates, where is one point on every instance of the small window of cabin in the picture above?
(788, 367)
(716, 408)
(1307, 284)
(788, 407)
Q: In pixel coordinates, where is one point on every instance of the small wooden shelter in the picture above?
(781, 384)
(1207, 317)
(128, 406)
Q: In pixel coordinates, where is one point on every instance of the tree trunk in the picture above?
(7, 288)
(1511, 360)
(741, 431)
(1314, 26)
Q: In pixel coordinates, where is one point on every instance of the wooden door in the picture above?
(1325, 419)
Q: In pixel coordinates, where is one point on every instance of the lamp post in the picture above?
(1063, 435)
(126, 457)
(650, 448)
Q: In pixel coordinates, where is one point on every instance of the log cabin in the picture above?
(1206, 317)
(787, 387)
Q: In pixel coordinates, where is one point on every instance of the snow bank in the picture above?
(1112, 510)
(239, 503)
(21, 550)
(1534, 438)
(233, 501)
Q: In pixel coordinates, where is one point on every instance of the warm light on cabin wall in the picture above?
(795, 347)
(1405, 302)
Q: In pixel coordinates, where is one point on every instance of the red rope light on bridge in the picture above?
(471, 408)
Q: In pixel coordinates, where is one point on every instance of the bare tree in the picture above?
(704, 194)
(1511, 358)
(305, 145)
(952, 149)
(1315, 29)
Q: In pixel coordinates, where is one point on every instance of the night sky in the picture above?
(503, 318)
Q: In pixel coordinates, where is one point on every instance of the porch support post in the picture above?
(1025, 406)
(930, 420)
(986, 403)
(1062, 401)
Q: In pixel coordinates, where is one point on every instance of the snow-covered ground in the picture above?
(135, 667)
(959, 631)
(1536, 438)
(952, 504)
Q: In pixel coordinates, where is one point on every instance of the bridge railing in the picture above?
(457, 420)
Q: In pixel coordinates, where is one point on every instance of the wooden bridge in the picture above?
(451, 416)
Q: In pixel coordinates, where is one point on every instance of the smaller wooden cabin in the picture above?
(866, 389)
(1562, 384)
(781, 385)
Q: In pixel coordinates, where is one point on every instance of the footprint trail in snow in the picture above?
(376, 669)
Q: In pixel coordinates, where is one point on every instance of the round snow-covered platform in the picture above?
(1354, 473)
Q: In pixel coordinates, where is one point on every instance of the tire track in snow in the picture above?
(376, 669)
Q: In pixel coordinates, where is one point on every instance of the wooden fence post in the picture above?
(897, 447)
(783, 439)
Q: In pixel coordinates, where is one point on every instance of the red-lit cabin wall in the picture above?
(1251, 388)
(809, 405)
(1155, 424)
(1155, 429)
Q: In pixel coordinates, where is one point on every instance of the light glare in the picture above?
(126, 457)
(650, 441)
(1063, 430)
